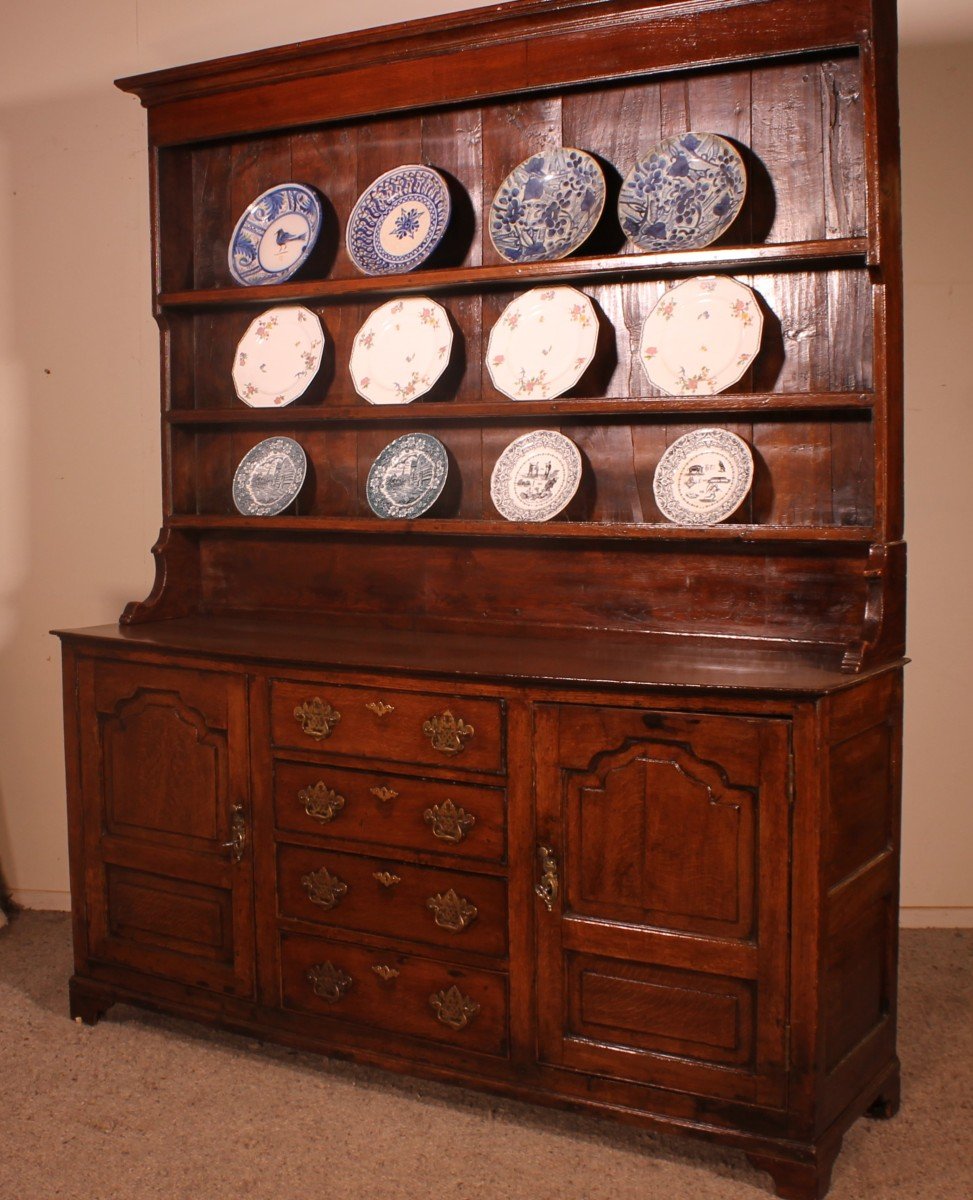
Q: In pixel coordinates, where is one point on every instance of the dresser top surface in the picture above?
(564, 660)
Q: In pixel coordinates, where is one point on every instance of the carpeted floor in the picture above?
(147, 1107)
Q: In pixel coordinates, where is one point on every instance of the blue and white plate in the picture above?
(703, 477)
(408, 476)
(536, 476)
(684, 194)
(269, 477)
(275, 235)
(547, 206)
(398, 221)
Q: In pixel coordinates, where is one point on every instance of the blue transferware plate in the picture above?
(269, 477)
(408, 476)
(398, 221)
(547, 206)
(684, 194)
(275, 235)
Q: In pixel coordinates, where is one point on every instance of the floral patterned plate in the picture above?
(398, 221)
(701, 336)
(547, 206)
(278, 357)
(536, 476)
(542, 344)
(401, 350)
(269, 477)
(408, 476)
(275, 236)
(684, 194)
(703, 477)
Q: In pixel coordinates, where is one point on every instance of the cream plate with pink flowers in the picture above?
(401, 350)
(542, 344)
(278, 357)
(701, 336)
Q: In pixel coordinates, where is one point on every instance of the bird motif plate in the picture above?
(701, 336)
(703, 477)
(407, 477)
(684, 194)
(547, 206)
(536, 476)
(542, 344)
(398, 221)
(278, 356)
(275, 235)
(401, 350)
(269, 477)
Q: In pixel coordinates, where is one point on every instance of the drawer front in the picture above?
(429, 815)
(393, 899)
(439, 729)
(401, 993)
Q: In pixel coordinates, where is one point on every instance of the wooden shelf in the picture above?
(513, 412)
(453, 527)
(774, 257)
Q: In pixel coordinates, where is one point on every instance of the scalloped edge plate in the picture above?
(701, 336)
(401, 350)
(542, 343)
(278, 356)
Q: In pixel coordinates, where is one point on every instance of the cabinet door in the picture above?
(166, 816)
(663, 857)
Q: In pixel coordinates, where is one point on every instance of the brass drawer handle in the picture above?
(380, 708)
(548, 888)
(316, 718)
(328, 981)
(383, 793)
(452, 1008)
(323, 888)
(385, 972)
(321, 802)
(448, 822)
(447, 733)
(386, 878)
(238, 834)
(451, 911)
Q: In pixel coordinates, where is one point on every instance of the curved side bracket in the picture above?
(175, 592)
(883, 621)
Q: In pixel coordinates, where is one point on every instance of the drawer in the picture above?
(429, 815)
(375, 722)
(399, 993)
(393, 899)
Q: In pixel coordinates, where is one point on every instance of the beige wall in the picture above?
(79, 476)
